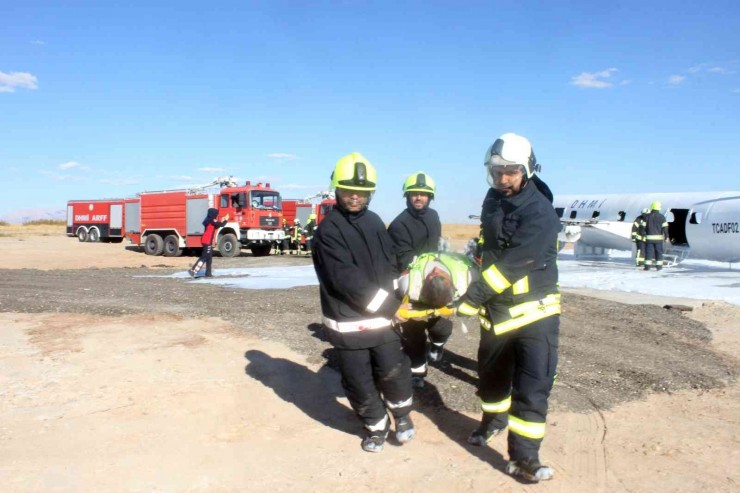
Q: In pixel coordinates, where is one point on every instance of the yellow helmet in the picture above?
(419, 182)
(656, 206)
(354, 172)
(312, 216)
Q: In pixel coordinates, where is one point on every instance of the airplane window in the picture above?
(595, 214)
(695, 218)
(559, 211)
(622, 214)
(573, 214)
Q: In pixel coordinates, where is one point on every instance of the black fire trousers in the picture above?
(415, 340)
(206, 257)
(520, 364)
(373, 374)
(654, 254)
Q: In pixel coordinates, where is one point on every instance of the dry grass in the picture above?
(460, 231)
(29, 230)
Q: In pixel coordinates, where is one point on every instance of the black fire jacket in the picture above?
(656, 227)
(519, 252)
(413, 233)
(353, 258)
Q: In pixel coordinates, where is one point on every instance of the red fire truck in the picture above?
(303, 208)
(167, 222)
(96, 220)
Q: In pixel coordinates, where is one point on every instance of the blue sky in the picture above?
(106, 99)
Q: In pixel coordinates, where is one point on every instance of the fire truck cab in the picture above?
(168, 222)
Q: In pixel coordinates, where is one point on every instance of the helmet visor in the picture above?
(495, 171)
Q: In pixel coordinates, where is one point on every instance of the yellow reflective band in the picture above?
(526, 313)
(495, 279)
(485, 323)
(527, 429)
(654, 237)
(521, 286)
(522, 308)
(496, 407)
(466, 309)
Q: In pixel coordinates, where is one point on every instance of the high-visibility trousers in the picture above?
(516, 373)
(375, 380)
(639, 253)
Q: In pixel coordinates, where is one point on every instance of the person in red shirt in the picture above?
(206, 257)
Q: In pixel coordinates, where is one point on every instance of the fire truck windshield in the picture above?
(265, 200)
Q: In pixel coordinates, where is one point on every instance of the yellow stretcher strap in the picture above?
(418, 313)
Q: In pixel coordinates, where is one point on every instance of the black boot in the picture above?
(405, 431)
(488, 429)
(530, 469)
(375, 439)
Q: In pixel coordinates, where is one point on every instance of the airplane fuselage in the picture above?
(707, 224)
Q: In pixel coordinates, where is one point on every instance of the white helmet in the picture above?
(510, 150)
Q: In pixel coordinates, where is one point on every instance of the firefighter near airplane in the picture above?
(701, 225)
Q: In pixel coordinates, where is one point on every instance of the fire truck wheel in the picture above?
(82, 234)
(93, 235)
(261, 250)
(228, 245)
(172, 246)
(153, 245)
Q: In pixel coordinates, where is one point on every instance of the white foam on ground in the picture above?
(693, 279)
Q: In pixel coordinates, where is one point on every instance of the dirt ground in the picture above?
(117, 376)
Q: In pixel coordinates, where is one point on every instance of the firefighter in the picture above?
(638, 237)
(310, 230)
(206, 257)
(656, 232)
(518, 305)
(352, 254)
(296, 232)
(414, 231)
(285, 242)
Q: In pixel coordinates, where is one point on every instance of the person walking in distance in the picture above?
(285, 242)
(656, 232)
(296, 232)
(638, 237)
(417, 230)
(310, 230)
(353, 257)
(518, 304)
(209, 234)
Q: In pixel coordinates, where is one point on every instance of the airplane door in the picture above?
(677, 227)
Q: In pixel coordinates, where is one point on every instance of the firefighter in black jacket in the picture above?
(638, 237)
(353, 257)
(414, 231)
(518, 303)
(656, 232)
